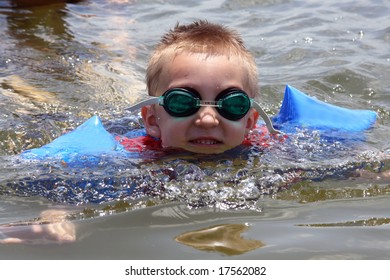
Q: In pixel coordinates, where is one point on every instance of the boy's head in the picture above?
(204, 38)
(207, 64)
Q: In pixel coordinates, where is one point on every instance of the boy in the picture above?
(202, 60)
(204, 79)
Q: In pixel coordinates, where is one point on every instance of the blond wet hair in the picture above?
(200, 37)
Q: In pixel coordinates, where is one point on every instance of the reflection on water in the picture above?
(18, 89)
(225, 239)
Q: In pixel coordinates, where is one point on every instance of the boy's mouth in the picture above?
(205, 141)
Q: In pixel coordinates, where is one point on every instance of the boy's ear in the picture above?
(150, 121)
(252, 120)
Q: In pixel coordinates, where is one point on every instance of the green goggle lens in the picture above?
(232, 104)
(180, 102)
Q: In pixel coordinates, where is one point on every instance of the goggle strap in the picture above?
(150, 101)
(265, 117)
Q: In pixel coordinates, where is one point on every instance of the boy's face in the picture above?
(206, 131)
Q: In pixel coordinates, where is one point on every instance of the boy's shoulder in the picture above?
(138, 141)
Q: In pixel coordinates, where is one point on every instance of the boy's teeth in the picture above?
(205, 141)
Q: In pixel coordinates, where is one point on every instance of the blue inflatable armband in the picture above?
(89, 139)
(299, 109)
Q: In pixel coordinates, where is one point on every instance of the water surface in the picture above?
(304, 199)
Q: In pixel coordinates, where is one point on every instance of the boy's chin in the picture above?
(200, 149)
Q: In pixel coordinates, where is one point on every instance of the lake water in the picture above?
(304, 199)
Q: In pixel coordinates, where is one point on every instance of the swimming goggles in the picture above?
(232, 104)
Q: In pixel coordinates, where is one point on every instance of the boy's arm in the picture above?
(52, 226)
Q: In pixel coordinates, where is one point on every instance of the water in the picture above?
(303, 199)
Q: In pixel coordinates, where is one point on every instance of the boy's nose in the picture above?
(207, 118)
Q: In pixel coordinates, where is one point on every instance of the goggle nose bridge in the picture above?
(205, 103)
